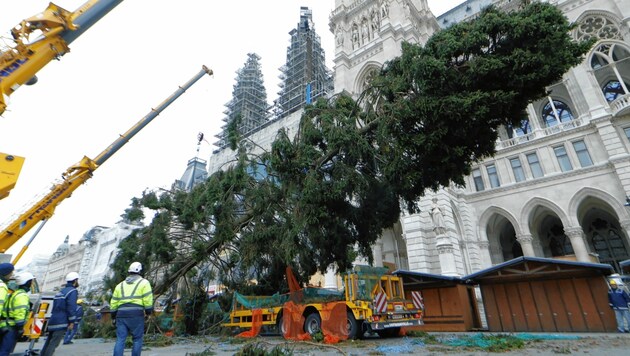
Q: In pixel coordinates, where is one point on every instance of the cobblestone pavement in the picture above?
(585, 344)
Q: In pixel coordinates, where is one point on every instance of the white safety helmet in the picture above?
(23, 278)
(135, 267)
(70, 277)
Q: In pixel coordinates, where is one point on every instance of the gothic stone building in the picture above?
(558, 183)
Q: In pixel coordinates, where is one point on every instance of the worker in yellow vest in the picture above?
(6, 272)
(15, 313)
(131, 302)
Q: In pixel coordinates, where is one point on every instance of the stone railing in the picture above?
(620, 105)
(547, 131)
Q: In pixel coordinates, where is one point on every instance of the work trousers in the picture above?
(52, 342)
(9, 339)
(124, 327)
(70, 333)
(622, 314)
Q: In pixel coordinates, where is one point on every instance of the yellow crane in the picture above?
(76, 175)
(38, 40)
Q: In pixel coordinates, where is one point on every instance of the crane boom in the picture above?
(55, 29)
(77, 174)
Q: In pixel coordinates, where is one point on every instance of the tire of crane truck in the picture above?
(354, 328)
(313, 323)
(280, 327)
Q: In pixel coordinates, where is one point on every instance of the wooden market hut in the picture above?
(534, 294)
(449, 304)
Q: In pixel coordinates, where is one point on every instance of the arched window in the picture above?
(610, 63)
(597, 26)
(559, 243)
(556, 112)
(607, 242)
(521, 130)
(612, 90)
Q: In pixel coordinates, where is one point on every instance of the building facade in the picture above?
(557, 184)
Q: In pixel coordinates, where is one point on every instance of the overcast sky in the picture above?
(126, 64)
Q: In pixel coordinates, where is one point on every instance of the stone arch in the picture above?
(529, 209)
(485, 217)
(499, 228)
(617, 207)
(599, 219)
(364, 75)
(546, 222)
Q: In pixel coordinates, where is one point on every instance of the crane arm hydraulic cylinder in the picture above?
(55, 28)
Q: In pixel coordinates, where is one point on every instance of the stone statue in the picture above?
(437, 215)
(355, 36)
(375, 21)
(384, 9)
(365, 33)
(339, 36)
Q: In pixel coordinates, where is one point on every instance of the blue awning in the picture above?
(562, 267)
(417, 279)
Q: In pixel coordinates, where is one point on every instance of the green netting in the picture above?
(254, 302)
(312, 295)
(166, 323)
(214, 306)
(367, 278)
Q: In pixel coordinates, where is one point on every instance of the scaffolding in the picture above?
(249, 101)
(304, 77)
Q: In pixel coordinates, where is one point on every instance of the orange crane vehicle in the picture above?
(38, 40)
(372, 300)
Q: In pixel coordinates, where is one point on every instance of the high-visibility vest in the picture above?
(16, 309)
(4, 294)
(132, 296)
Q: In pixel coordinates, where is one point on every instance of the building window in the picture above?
(612, 90)
(582, 153)
(534, 164)
(493, 176)
(556, 112)
(522, 129)
(607, 60)
(478, 180)
(517, 168)
(627, 131)
(563, 158)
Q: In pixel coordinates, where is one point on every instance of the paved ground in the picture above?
(554, 344)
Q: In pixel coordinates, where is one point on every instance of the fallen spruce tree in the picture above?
(322, 197)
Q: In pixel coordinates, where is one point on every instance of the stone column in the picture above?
(576, 235)
(330, 279)
(484, 253)
(377, 253)
(526, 244)
(446, 255)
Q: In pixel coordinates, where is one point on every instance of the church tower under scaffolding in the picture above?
(305, 76)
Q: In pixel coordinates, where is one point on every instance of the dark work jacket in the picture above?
(618, 299)
(64, 309)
